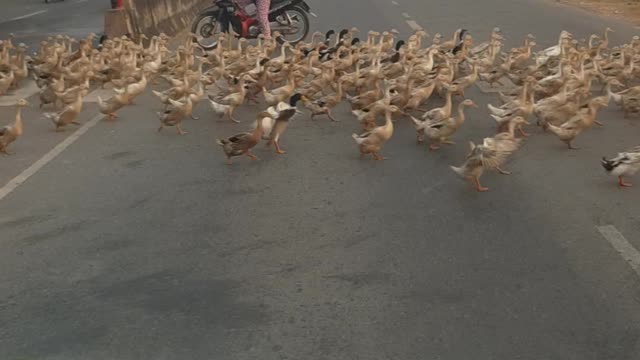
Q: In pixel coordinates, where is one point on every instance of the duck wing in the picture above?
(239, 138)
(285, 114)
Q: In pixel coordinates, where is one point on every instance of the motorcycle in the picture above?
(288, 17)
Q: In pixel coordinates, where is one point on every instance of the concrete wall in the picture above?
(151, 17)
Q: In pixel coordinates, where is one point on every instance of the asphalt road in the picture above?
(33, 20)
(133, 244)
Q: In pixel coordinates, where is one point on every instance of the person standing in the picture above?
(263, 7)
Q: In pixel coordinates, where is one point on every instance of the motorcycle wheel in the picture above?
(207, 28)
(292, 16)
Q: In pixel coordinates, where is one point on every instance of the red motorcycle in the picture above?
(288, 17)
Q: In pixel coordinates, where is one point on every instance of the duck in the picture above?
(545, 55)
(230, 102)
(628, 99)
(438, 131)
(458, 36)
(241, 144)
(445, 110)
(68, 115)
(505, 113)
(110, 106)
(624, 164)
(6, 81)
(274, 111)
(464, 82)
(489, 155)
(366, 98)
(569, 130)
(11, 133)
(137, 88)
(175, 114)
(419, 95)
(324, 105)
(281, 114)
(197, 96)
(277, 95)
(371, 142)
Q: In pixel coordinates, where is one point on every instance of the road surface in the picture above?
(32, 21)
(133, 244)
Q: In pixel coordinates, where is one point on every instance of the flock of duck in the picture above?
(381, 77)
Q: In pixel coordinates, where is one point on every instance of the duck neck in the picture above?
(259, 130)
(243, 91)
(17, 125)
(292, 79)
(525, 90)
(339, 91)
(511, 129)
(616, 97)
(448, 103)
(388, 123)
(430, 60)
(460, 118)
(593, 109)
(189, 105)
(622, 57)
(283, 54)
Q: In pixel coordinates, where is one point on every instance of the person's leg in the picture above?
(263, 17)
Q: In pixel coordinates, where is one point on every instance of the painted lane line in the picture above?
(395, 3)
(414, 25)
(26, 91)
(80, 1)
(31, 170)
(26, 16)
(406, 15)
(622, 246)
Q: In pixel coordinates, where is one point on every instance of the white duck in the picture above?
(624, 164)
(554, 51)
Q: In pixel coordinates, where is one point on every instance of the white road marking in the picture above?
(80, 1)
(406, 15)
(414, 25)
(395, 3)
(622, 246)
(31, 170)
(25, 91)
(26, 16)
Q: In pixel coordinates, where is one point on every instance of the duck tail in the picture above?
(458, 170)
(417, 123)
(556, 130)
(357, 138)
(498, 119)
(220, 142)
(50, 116)
(493, 109)
(608, 165)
